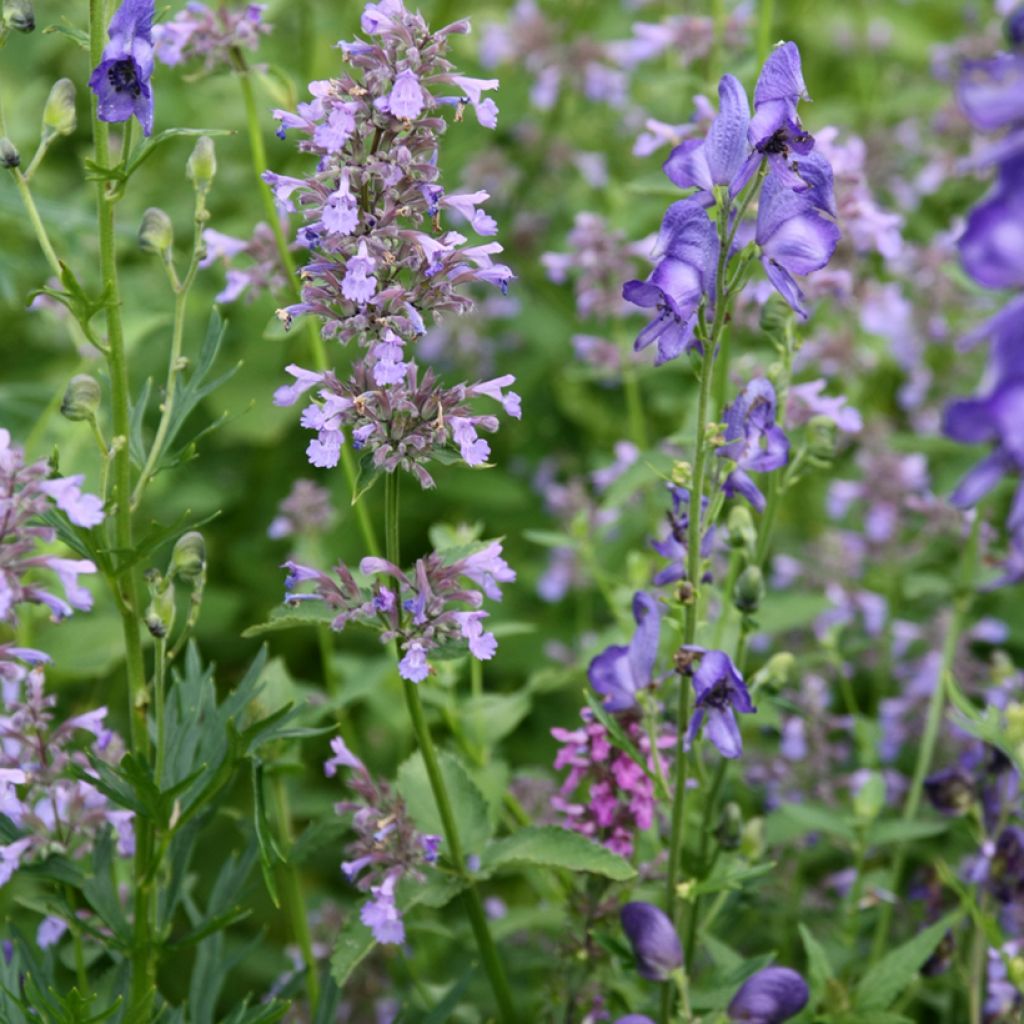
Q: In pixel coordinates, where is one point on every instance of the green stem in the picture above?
(634, 403)
(470, 896)
(765, 17)
(710, 803)
(317, 351)
(292, 891)
(159, 692)
(933, 723)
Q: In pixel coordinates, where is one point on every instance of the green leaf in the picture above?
(549, 538)
(307, 613)
(150, 145)
(791, 821)
(730, 875)
(492, 716)
(554, 847)
(467, 802)
(819, 970)
(270, 852)
(883, 983)
(367, 476)
(882, 833)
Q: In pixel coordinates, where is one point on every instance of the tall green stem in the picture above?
(765, 17)
(933, 722)
(470, 896)
(317, 351)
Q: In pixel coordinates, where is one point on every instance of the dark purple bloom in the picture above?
(992, 246)
(720, 691)
(673, 547)
(654, 940)
(769, 997)
(795, 229)
(950, 790)
(991, 92)
(755, 442)
(1014, 26)
(1006, 869)
(121, 81)
(688, 249)
(780, 86)
(618, 672)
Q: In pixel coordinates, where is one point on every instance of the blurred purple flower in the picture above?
(770, 996)
(619, 672)
(754, 442)
(720, 691)
(121, 80)
(654, 940)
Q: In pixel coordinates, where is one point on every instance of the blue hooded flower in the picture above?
(720, 691)
(755, 442)
(769, 997)
(654, 940)
(688, 249)
(673, 547)
(992, 246)
(618, 672)
(121, 81)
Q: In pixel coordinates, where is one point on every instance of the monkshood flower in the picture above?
(387, 846)
(619, 672)
(1002, 996)
(807, 400)
(437, 605)
(683, 279)
(28, 495)
(307, 510)
(399, 419)
(673, 546)
(770, 996)
(261, 271)
(992, 246)
(721, 692)
(198, 32)
(754, 442)
(606, 795)
(55, 811)
(121, 80)
(654, 940)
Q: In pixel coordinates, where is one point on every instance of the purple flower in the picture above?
(992, 246)
(795, 230)
(991, 92)
(51, 929)
(382, 916)
(406, 99)
(619, 672)
(343, 758)
(688, 246)
(673, 547)
(359, 284)
(198, 31)
(754, 441)
(121, 80)
(780, 87)
(720, 691)
(770, 996)
(82, 509)
(653, 937)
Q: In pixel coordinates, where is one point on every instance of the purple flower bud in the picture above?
(769, 997)
(654, 940)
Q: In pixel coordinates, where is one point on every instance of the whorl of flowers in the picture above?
(199, 32)
(382, 260)
(437, 605)
(25, 495)
(387, 847)
(262, 270)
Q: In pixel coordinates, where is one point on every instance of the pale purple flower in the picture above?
(619, 672)
(721, 692)
(382, 916)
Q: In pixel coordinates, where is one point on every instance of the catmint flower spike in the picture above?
(654, 940)
(156, 233)
(81, 398)
(769, 997)
(59, 116)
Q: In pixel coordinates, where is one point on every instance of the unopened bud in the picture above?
(742, 532)
(775, 672)
(188, 560)
(752, 840)
(749, 590)
(775, 315)
(156, 233)
(59, 113)
(730, 826)
(81, 398)
(19, 15)
(870, 798)
(821, 438)
(160, 613)
(202, 164)
(9, 155)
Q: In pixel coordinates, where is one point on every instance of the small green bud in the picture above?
(156, 233)
(188, 560)
(774, 673)
(870, 798)
(775, 315)
(730, 826)
(749, 590)
(742, 532)
(19, 15)
(202, 164)
(59, 113)
(752, 840)
(821, 438)
(9, 155)
(81, 398)
(160, 613)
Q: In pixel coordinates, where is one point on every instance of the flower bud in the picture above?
(654, 940)
(821, 438)
(19, 15)
(9, 155)
(742, 533)
(59, 113)
(156, 233)
(202, 164)
(81, 398)
(752, 840)
(950, 791)
(775, 315)
(870, 798)
(769, 997)
(160, 613)
(749, 590)
(730, 826)
(188, 560)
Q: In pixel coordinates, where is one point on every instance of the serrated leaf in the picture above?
(467, 802)
(492, 716)
(308, 613)
(554, 847)
(887, 979)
